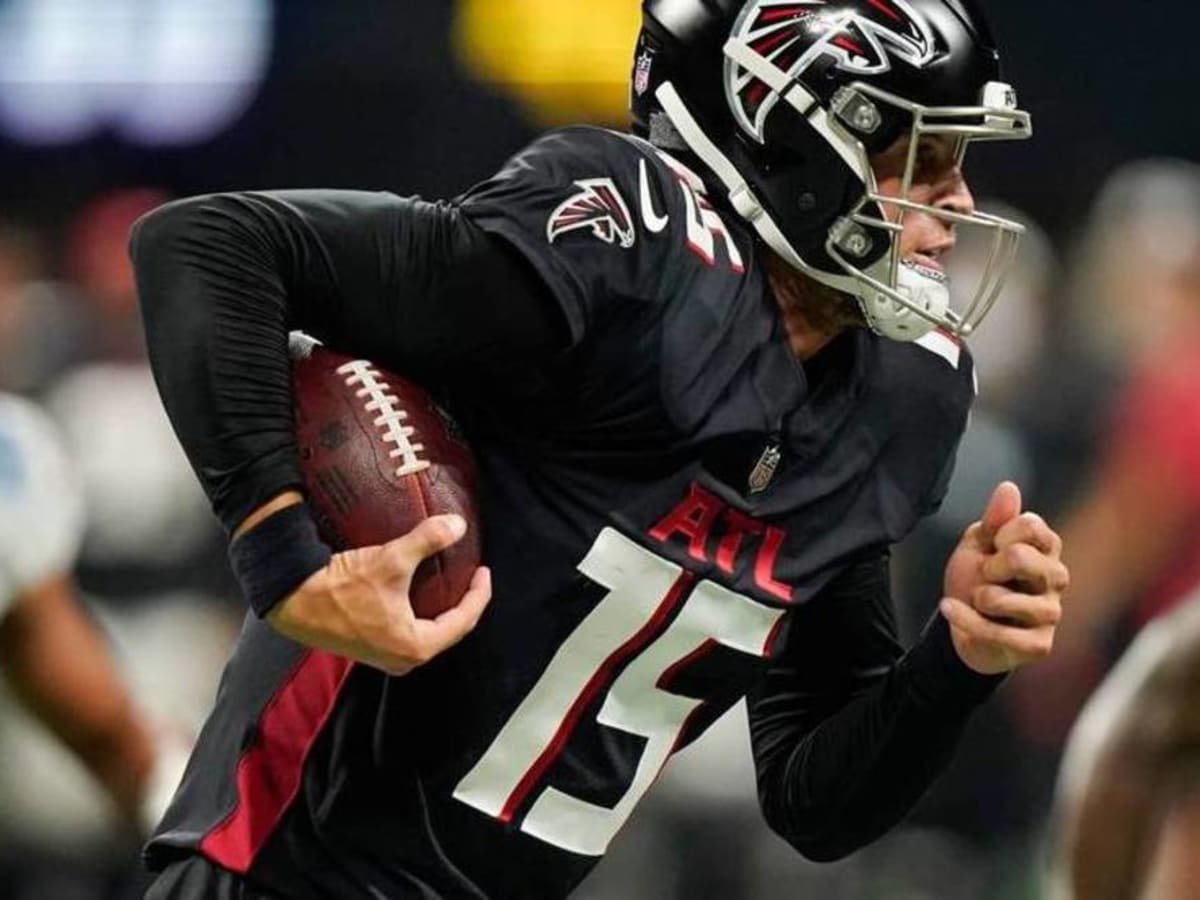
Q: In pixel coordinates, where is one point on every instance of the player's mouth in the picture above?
(915, 265)
(932, 259)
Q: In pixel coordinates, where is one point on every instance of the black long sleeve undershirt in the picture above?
(222, 279)
(847, 730)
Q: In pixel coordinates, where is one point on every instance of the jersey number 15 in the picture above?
(644, 590)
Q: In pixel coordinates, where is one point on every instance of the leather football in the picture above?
(379, 456)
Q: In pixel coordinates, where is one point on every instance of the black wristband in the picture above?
(276, 556)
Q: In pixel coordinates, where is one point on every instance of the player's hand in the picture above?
(1004, 586)
(358, 605)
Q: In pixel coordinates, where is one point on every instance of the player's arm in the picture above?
(59, 665)
(1132, 754)
(415, 286)
(222, 279)
(847, 732)
(51, 652)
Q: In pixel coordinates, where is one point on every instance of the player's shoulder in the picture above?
(929, 383)
(657, 204)
(569, 155)
(610, 222)
(658, 187)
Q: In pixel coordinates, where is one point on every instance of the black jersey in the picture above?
(677, 515)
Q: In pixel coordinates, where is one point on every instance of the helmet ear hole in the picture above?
(809, 187)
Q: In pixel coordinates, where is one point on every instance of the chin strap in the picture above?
(740, 195)
(924, 289)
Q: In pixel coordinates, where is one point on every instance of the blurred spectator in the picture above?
(49, 324)
(1128, 812)
(97, 264)
(1134, 279)
(1134, 537)
(146, 507)
(147, 515)
(39, 332)
(152, 566)
(53, 655)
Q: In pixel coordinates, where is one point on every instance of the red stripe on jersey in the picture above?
(667, 678)
(599, 679)
(768, 649)
(269, 771)
(950, 337)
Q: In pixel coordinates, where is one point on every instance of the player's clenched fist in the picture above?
(1004, 586)
(358, 605)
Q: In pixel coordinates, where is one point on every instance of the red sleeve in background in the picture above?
(1158, 420)
(1156, 436)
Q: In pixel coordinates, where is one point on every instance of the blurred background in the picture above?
(1089, 385)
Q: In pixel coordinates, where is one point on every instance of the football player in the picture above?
(51, 653)
(712, 373)
(1128, 806)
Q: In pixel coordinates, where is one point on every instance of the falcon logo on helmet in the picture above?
(795, 35)
(600, 208)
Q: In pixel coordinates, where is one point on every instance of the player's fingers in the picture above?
(1027, 566)
(430, 536)
(1020, 644)
(1029, 528)
(1003, 506)
(436, 635)
(1000, 604)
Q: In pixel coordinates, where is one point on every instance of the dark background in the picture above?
(367, 93)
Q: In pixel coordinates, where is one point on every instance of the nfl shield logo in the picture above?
(764, 470)
(641, 74)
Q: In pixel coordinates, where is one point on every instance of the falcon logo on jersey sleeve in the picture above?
(600, 208)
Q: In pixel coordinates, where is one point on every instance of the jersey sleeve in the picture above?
(928, 388)
(412, 285)
(600, 216)
(41, 508)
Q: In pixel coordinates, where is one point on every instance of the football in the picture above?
(378, 456)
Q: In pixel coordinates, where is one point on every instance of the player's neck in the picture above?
(813, 315)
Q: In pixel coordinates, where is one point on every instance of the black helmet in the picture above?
(786, 100)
